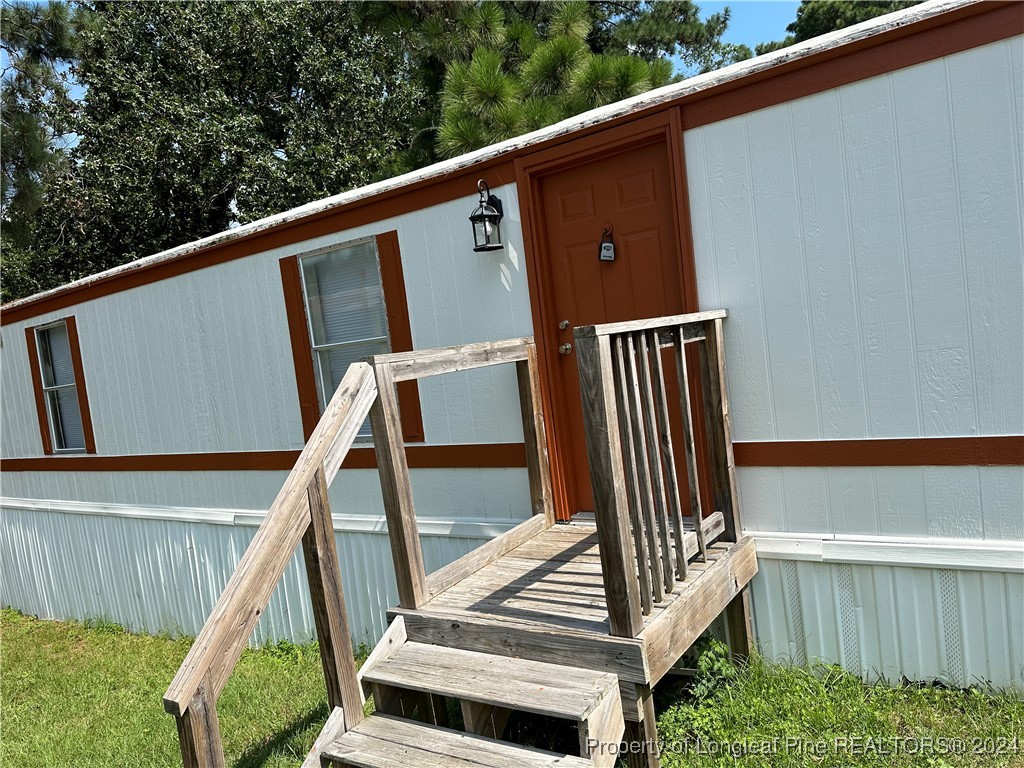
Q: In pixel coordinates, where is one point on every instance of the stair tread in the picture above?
(521, 684)
(383, 741)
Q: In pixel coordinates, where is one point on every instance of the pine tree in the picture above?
(39, 43)
(494, 70)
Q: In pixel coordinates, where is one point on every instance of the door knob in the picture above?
(565, 349)
(563, 325)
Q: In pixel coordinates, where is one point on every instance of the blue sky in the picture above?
(754, 21)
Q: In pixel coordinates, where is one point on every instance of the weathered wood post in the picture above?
(604, 450)
(396, 487)
(723, 470)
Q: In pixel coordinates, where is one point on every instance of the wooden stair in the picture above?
(386, 741)
(409, 682)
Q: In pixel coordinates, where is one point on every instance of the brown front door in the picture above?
(629, 191)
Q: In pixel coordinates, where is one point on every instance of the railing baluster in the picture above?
(668, 455)
(325, 589)
(654, 455)
(644, 471)
(689, 443)
(632, 484)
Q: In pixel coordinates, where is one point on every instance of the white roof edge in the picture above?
(692, 85)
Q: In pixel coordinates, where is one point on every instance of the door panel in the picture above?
(632, 192)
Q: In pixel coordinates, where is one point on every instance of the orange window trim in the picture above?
(399, 330)
(37, 390)
(302, 350)
(80, 389)
(396, 304)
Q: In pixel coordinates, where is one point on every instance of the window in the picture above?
(61, 401)
(344, 304)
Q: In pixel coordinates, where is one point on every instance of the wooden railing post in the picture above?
(537, 464)
(396, 487)
(723, 471)
(604, 450)
(650, 426)
(719, 429)
(414, 588)
(325, 589)
(199, 732)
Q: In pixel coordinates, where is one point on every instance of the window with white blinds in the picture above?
(347, 317)
(59, 389)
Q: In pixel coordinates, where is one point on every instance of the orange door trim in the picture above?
(664, 127)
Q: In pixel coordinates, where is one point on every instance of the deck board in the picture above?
(545, 600)
(554, 581)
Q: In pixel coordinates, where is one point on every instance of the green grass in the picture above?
(79, 696)
(82, 696)
(826, 717)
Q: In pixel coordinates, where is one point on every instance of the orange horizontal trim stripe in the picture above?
(419, 457)
(898, 452)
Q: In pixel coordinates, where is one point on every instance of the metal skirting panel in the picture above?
(160, 570)
(960, 627)
(158, 574)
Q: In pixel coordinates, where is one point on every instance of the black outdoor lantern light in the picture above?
(486, 220)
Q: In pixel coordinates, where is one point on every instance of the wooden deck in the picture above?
(608, 603)
(545, 600)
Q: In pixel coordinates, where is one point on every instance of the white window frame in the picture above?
(323, 387)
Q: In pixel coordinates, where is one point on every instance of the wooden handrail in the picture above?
(300, 513)
(414, 587)
(638, 506)
(421, 363)
(650, 324)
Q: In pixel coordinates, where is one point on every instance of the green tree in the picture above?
(38, 43)
(200, 116)
(819, 17)
(494, 70)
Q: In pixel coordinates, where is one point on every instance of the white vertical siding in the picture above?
(491, 493)
(945, 502)
(868, 244)
(202, 362)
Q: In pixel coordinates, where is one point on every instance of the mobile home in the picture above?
(854, 203)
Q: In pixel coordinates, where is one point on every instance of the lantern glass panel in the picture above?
(479, 234)
(493, 232)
